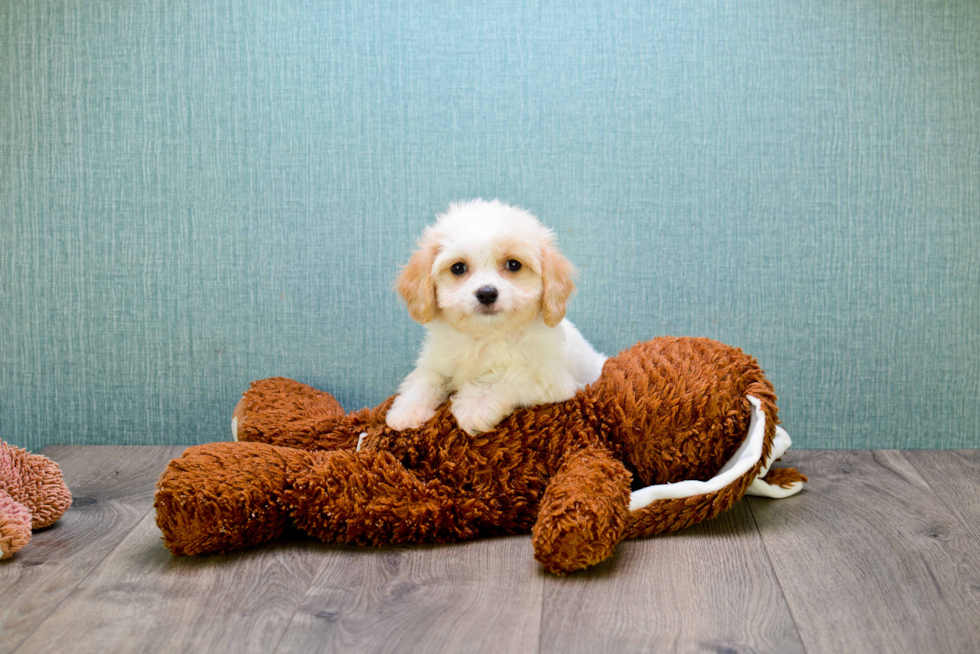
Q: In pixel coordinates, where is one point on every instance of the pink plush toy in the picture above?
(32, 495)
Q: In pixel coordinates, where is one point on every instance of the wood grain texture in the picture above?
(869, 558)
(872, 557)
(954, 476)
(112, 489)
(705, 589)
(146, 600)
(482, 596)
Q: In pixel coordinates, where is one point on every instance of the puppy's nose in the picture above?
(487, 295)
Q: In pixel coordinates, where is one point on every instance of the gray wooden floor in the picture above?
(881, 553)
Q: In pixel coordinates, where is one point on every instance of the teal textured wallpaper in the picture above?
(197, 194)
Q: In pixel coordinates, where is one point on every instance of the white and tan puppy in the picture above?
(491, 287)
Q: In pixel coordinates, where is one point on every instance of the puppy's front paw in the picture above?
(476, 413)
(408, 415)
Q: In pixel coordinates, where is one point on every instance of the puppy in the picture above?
(490, 286)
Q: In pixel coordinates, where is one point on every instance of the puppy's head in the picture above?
(486, 266)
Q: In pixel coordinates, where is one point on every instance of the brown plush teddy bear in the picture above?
(674, 431)
(32, 495)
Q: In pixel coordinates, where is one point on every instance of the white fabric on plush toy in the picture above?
(747, 455)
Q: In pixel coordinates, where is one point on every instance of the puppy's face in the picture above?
(486, 266)
(487, 281)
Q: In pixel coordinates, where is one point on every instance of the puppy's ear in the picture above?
(415, 282)
(557, 275)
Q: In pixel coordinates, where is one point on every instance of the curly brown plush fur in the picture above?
(664, 411)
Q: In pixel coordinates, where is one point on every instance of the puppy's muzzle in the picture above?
(486, 295)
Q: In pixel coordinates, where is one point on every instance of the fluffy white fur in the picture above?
(490, 357)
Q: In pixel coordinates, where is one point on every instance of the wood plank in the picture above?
(708, 588)
(112, 488)
(953, 475)
(870, 559)
(142, 599)
(481, 596)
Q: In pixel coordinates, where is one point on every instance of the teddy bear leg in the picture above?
(51, 497)
(369, 498)
(280, 411)
(584, 512)
(224, 496)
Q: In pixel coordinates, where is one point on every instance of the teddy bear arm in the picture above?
(584, 511)
(370, 498)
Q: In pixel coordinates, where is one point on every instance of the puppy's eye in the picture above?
(513, 265)
(458, 268)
